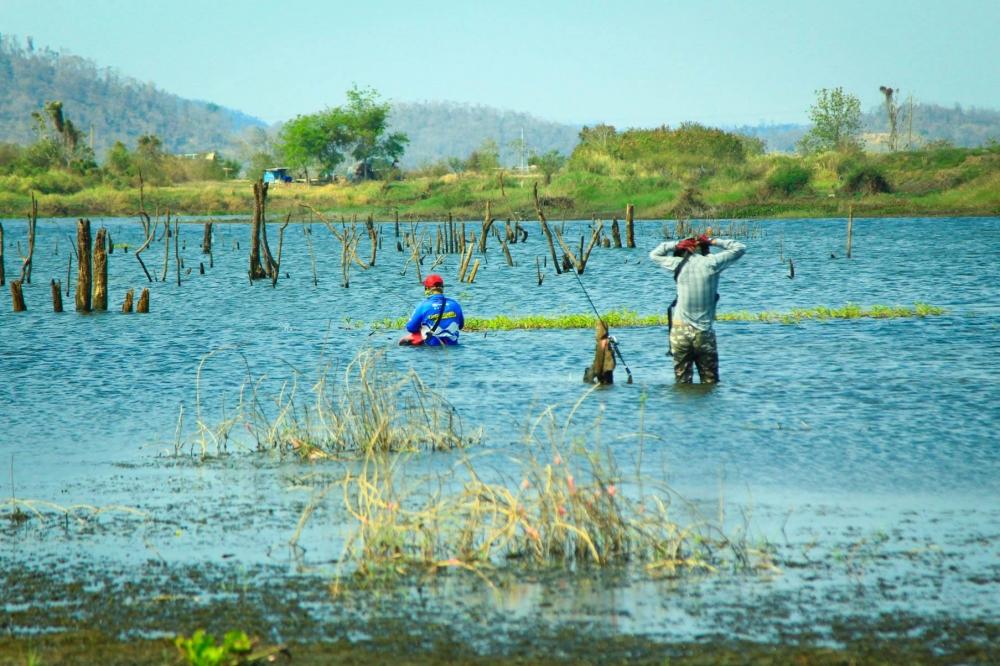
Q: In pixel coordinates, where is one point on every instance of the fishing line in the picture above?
(611, 339)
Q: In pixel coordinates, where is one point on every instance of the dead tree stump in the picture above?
(127, 304)
(57, 305)
(17, 296)
(616, 235)
(99, 300)
(83, 274)
(257, 271)
(143, 305)
(206, 239)
(32, 223)
(602, 370)
(629, 225)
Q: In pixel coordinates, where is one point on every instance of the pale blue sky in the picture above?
(631, 63)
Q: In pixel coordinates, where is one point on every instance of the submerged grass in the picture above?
(627, 318)
(566, 504)
(372, 408)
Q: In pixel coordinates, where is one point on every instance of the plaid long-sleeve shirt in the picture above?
(698, 281)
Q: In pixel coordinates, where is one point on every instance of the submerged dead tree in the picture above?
(32, 223)
(630, 225)
(546, 230)
(487, 223)
(83, 274)
(99, 296)
(17, 296)
(258, 236)
(580, 263)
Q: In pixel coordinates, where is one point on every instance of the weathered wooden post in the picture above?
(629, 225)
(17, 296)
(143, 305)
(57, 305)
(127, 303)
(850, 228)
(83, 274)
(472, 274)
(99, 299)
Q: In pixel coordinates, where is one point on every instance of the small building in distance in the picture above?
(277, 175)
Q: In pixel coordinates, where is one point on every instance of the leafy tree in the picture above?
(118, 161)
(548, 163)
(149, 158)
(836, 118)
(58, 144)
(367, 119)
(325, 139)
(484, 158)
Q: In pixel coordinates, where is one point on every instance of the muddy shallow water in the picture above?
(864, 451)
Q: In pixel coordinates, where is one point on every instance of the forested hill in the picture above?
(116, 107)
(449, 129)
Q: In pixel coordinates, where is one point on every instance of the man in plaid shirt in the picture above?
(696, 272)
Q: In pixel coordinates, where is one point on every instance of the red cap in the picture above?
(433, 281)
(687, 245)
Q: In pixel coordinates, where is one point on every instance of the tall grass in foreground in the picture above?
(564, 503)
(627, 318)
(369, 408)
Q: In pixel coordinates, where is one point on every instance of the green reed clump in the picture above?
(369, 408)
(628, 318)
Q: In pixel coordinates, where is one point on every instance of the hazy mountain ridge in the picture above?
(114, 107)
(451, 129)
(119, 108)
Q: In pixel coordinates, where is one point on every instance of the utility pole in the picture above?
(522, 150)
(909, 138)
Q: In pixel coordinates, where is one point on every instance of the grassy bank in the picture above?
(941, 181)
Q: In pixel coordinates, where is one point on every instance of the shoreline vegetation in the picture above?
(691, 172)
(630, 319)
(465, 198)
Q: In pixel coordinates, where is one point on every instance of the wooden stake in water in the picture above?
(616, 235)
(127, 304)
(17, 296)
(475, 269)
(99, 299)
(850, 228)
(57, 305)
(83, 274)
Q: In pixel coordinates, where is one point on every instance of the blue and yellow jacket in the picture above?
(426, 316)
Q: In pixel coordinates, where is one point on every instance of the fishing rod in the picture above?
(611, 339)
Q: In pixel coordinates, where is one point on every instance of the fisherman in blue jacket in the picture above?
(437, 320)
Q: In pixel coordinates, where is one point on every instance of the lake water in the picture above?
(827, 434)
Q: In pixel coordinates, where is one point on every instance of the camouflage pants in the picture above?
(691, 346)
